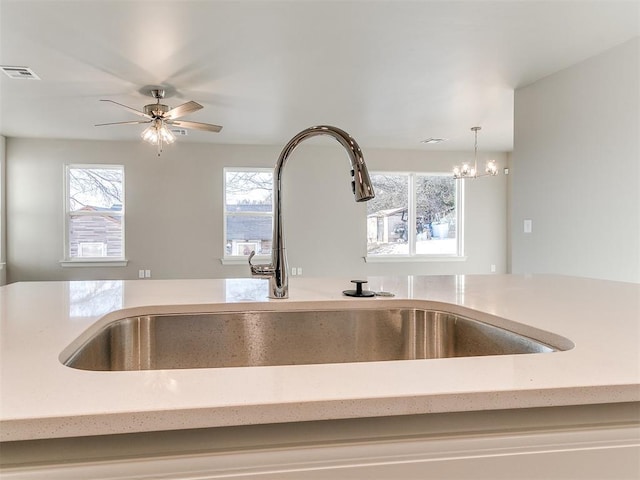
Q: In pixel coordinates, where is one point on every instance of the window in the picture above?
(414, 214)
(248, 211)
(94, 213)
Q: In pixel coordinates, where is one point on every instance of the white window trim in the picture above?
(425, 257)
(95, 262)
(90, 261)
(240, 259)
(414, 259)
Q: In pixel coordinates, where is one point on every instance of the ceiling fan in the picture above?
(160, 118)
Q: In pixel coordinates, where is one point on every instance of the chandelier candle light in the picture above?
(468, 171)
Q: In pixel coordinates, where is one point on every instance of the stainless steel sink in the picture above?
(258, 338)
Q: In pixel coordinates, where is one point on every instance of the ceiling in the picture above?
(392, 73)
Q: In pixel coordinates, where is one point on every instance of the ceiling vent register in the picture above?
(19, 72)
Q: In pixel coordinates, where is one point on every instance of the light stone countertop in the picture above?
(41, 398)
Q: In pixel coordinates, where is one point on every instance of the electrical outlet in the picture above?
(493, 268)
(299, 270)
(147, 274)
(528, 226)
(294, 271)
(140, 273)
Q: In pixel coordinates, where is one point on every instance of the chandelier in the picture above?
(158, 134)
(468, 171)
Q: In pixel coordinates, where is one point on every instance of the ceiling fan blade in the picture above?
(207, 127)
(132, 110)
(182, 110)
(135, 122)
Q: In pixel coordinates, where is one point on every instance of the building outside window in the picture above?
(94, 213)
(248, 211)
(414, 214)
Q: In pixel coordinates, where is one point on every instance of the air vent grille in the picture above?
(432, 140)
(19, 72)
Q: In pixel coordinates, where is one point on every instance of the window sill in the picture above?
(116, 262)
(258, 259)
(414, 259)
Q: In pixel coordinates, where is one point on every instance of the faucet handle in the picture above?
(260, 270)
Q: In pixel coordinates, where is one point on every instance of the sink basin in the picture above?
(259, 338)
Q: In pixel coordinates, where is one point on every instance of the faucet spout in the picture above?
(277, 270)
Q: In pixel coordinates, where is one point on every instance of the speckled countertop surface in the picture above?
(41, 398)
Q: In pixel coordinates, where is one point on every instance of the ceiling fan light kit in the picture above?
(161, 117)
(158, 134)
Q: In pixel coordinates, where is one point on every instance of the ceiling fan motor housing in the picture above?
(156, 109)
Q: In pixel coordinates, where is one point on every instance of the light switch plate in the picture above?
(528, 225)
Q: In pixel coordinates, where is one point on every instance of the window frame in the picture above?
(412, 256)
(68, 260)
(227, 259)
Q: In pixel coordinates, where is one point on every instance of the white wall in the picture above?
(3, 212)
(174, 209)
(576, 170)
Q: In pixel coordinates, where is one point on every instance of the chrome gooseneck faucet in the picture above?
(277, 270)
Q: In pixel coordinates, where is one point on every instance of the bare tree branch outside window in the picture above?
(95, 187)
(247, 187)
